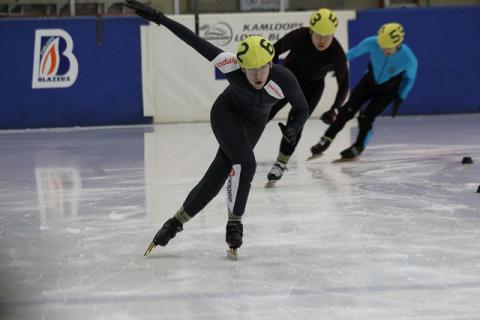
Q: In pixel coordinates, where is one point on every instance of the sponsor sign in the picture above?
(226, 31)
(54, 64)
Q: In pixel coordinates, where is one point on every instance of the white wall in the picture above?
(179, 85)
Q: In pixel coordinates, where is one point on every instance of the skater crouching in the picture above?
(391, 73)
(238, 118)
(313, 52)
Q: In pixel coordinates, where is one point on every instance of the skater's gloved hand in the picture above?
(289, 133)
(144, 11)
(329, 117)
(396, 106)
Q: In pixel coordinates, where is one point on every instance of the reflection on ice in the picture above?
(58, 191)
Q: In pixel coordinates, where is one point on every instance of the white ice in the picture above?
(395, 235)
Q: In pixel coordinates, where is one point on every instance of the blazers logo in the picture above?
(54, 64)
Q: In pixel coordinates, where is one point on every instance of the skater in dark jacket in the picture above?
(238, 118)
(390, 77)
(313, 52)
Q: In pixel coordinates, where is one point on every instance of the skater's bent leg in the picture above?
(209, 186)
(382, 95)
(239, 182)
(367, 117)
(360, 94)
(345, 114)
(237, 137)
(313, 93)
(238, 188)
(285, 152)
(365, 125)
(287, 148)
(197, 199)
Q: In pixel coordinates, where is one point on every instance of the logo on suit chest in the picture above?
(391, 69)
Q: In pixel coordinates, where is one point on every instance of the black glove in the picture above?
(329, 116)
(144, 11)
(396, 105)
(289, 133)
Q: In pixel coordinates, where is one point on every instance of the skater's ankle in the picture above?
(283, 159)
(281, 165)
(277, 171)
(359, 146)
(182, 216)
(326, 139)
(173, 223)
(321, 146)
(233, 217)
(353, 152)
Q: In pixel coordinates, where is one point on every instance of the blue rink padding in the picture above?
(108, 87)
(446, 43)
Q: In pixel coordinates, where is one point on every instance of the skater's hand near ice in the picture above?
(144, 11)
(396, 106)
(289, 133)
(329, 117)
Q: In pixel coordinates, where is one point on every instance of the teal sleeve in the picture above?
(409, 77)
(360, 49)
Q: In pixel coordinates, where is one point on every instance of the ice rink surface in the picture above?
(394, 235)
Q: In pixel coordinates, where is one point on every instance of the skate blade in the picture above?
(149, 249)
(345, 160)
(270, 183)
(314, 156)
(232, 253)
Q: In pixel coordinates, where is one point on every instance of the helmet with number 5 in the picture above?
(254, 52)
(390, 35)
(323, 22)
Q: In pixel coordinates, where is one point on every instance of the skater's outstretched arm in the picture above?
(362, 48)
(411, 66)
(287, 42)
(340, 69)
(205, 48)
(295, 96)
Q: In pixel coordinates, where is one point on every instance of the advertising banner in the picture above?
(70, 72)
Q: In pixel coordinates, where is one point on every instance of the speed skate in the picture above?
(345, 160)
(314, 156)
(270, 183)
(232, 253)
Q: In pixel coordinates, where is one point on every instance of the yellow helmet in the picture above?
(323, 22)
(254, 52)
(390, 35)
